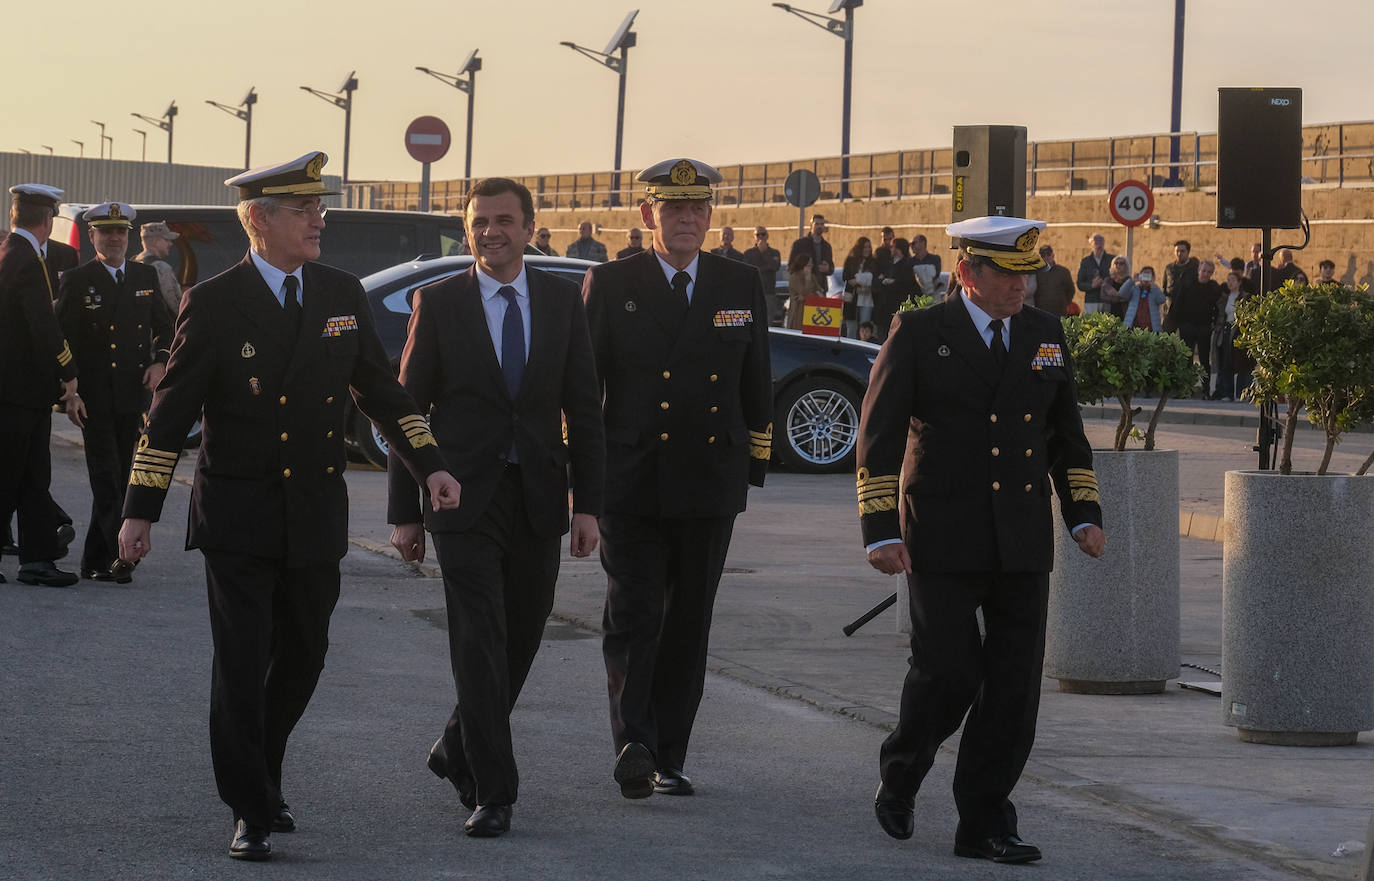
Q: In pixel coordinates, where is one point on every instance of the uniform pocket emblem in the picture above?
(1048, 355)
(143, 293)
(248, 350)
(254, 386)
(733, 318)
(630, 306)
(338, 324)
(943, 351)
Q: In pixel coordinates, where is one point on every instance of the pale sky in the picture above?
(725, 81)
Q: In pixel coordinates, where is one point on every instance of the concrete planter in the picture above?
(1297, 644)
(1113, 622)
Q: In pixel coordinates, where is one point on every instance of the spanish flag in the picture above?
(823, 316)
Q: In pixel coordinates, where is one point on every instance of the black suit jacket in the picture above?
(114, 334)
(449, 365)
(688, 402)
(60, 258)
(33, 354)
(1088, 267)
(269, 480)
(959, 457)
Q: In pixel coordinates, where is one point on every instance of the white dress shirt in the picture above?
(276, 279)
(494, 305)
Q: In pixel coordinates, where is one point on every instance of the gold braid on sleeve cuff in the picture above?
(876, 493)
(64, 357)
(761, 443)
(152, 468)
(1083, 485)
(417, 430)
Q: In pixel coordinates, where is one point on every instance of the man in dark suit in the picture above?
(113, 314)
(1094, 269)
(681, 342)
(970, 412)
(269, 506)
(36, 368)
(499, 356)
(815, 244)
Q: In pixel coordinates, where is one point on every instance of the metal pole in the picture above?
(248, 139)
(170, 121)
(467, 147)
(1176, 105)
(848, 88)
(619, 125)
(1130, 248)
(424, 186)
(348, 125)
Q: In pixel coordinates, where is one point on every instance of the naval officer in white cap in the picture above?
(681, 344)
(970, 415)
(269, 350)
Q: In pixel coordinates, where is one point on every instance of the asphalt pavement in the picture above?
(106, 769)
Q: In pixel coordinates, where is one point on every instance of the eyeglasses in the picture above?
(544, 235)
(316, 210)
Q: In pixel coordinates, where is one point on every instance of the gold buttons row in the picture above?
(992, 417)
(997, 486)
(286, 472)
(285, 436)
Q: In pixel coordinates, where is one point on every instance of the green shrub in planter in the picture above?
(1112, 360)
(1314, 346)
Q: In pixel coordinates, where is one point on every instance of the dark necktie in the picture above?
(999, 348)
(119, 279)
(512, 342)
(680, 282)
(291, 304)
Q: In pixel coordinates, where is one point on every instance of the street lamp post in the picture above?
(46, 147)
(621, 41)
(102, 136)
(342, 98)
(470, 67)
(844, 29)
(165, 123)
(244, 112)
(1176, 103)
(141, 132)
(80, 147)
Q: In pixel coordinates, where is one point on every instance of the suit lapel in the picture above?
(543, 326)
(315, 308)
(654, 294)
(472, 326)
(259, 306)
(698, 321)
(965, 341)
(1025, 341)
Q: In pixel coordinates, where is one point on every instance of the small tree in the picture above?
(1115, 361)
(1314, 346)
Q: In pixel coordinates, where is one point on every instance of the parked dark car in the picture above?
(818, 383)
(212, 239)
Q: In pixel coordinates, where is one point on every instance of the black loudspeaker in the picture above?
(989, 171)
(1259, 158)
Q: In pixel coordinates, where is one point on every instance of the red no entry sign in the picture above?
(427, 139)
(1131, 203)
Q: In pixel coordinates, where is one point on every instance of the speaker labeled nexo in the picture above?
(1259, 158)
(989, 171)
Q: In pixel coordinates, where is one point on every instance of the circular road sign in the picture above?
(427, 139)
(1131, 203)
(802, 187)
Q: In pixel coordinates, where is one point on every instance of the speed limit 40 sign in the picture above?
(1131, 203)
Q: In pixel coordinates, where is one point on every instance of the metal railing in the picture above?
(1334, 155)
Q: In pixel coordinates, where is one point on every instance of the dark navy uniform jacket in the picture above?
(688, 402)
(33, 354)
(959, 457)
(114, 334)
(269, 479)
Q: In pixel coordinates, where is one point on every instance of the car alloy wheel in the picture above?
(818, 426)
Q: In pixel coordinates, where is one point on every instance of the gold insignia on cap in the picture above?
(114, 211)
(684, 173)
(315, 166)
(1026, 241)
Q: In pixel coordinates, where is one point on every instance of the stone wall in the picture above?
(1342, 226)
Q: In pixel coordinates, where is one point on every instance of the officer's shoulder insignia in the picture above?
(338, 324)
(248, 351)
(943, 351)
(630, 306)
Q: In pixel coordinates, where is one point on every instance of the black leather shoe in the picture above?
(488, 821)
(284, 821)
(671, 781)
(46, 574)
(250, 842)
(65, 536)
(896, 814)
(462, 781)
(107, 576)
(999, 849)
(9, 549)
(634, 771)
